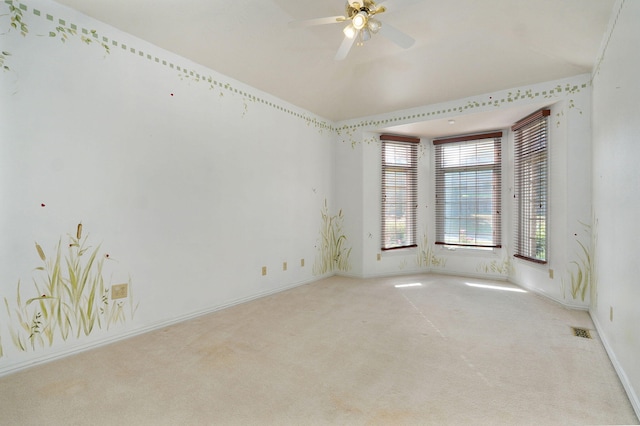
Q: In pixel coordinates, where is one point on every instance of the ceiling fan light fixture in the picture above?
(374, 25)
(365, 34)
(360, 26)
(360, 20)
(349, 31)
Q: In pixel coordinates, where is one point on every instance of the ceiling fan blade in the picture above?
(396, 36)
(397, 4)
(345, 47)
(317, 21)
(377, 10)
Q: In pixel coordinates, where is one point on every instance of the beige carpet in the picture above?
(341, 351)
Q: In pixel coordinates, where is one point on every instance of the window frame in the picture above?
(531, 150)
(408, 169)
(441, 173)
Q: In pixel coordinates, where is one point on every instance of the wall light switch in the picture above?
(379, 257)
(302, 263)
(284, 266)
(264, 270)
(551, 273)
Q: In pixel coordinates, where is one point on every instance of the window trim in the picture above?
(412, 203)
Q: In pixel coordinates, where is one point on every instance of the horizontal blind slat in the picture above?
(530, 178)
(468, 187)
(399, 192)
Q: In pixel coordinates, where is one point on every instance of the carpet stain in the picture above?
(391, 417)
(222, 353)
(216, 354)
(344, 406)
(64, 387)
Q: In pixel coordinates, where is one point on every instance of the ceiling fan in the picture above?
(361, 24)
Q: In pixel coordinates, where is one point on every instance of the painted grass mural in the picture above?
(71, 298)
(580, 271)
(501, 267)
(426, 256)
(333, 254)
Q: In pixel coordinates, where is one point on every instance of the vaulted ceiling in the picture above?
(462, 47)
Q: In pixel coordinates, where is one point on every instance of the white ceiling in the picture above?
(463, 47)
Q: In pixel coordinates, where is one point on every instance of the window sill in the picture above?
(405, 251)
(469, 250)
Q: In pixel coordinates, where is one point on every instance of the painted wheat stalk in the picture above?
(333, 252)
(72, 298)
(581, 270)
(581, 275)
(426, 256)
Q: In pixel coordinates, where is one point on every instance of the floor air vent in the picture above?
(581, 332)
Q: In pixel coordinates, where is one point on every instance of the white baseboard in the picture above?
(628, 387)
(562, 302)
(474, 275)
(78, 348)
(633, 397)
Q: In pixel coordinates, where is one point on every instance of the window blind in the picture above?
(468, 190)
(530, 193)
(399, 191)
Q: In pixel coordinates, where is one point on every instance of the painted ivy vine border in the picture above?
(15, 22)
(64, 31)
(347, 131)
(61, 30)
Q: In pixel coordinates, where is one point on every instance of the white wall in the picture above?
(569, 207)
(616, 194)
(570, 171)
(348, 188)
(190, 186)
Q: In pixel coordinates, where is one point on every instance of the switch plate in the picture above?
(284, 266)
(264, 270)
(302, 263)
(119, 291)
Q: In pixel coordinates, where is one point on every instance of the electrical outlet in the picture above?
(551, 273)
(119, 291)
(302, 263)
(264, 270)
(379, 256)
(284, 266)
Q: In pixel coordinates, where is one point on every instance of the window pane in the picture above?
(530, 170)
(468, 198)
(476, 154)
(399, 194)
(399, 155)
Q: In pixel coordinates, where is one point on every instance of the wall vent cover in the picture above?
(581, 332)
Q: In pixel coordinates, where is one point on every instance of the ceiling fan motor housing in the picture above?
(366, 6)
